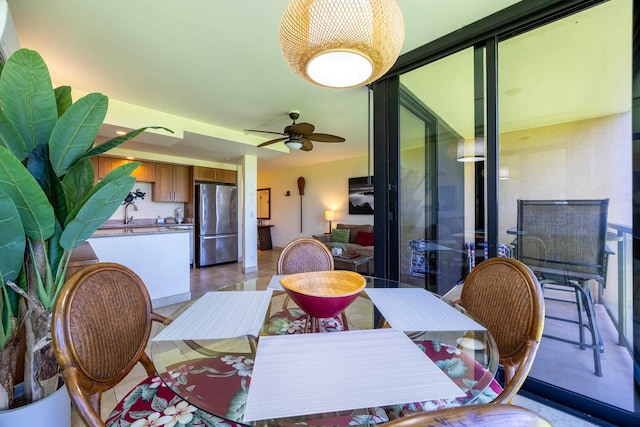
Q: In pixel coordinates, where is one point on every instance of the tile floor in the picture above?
(218, 277)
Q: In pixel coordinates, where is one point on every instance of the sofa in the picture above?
(352, 238)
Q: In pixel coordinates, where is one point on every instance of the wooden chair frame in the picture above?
(100, 327)
(483, 415)
(505, 296)
(322, 260)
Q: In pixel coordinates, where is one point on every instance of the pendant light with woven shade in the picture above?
(341, 43)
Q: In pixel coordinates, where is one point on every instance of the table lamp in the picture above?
(329, 216)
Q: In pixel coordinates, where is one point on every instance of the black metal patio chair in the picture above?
(563, 242)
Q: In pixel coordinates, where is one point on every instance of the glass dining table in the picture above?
(238, 353)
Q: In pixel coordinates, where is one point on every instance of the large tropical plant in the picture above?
(49, 205)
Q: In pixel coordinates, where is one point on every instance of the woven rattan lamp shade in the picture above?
(341, 43)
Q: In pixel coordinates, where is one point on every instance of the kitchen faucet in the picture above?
(128, 220)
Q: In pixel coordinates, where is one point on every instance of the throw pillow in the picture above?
(340, 235)
(354, 230)
(364, 238)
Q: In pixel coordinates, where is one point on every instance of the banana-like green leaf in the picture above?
(39, 167)
(55, 255)
(76, 130)
(78, 182)
(63, 98)
(112, 143)
(117, 173)
(11, 139)
(95, 211)
(27, 97)
(12, 240)
(35, 210)
(8, 320)
(58, 199)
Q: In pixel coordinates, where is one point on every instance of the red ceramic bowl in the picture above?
(323, 294)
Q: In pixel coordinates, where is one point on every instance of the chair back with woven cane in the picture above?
(504, 295)
(101, 324)
(477, 415)
(304, 255)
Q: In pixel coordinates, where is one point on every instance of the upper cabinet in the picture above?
(146, 172)
(171, 183)
(214, 175)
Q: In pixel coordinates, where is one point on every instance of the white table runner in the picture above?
(218, 315)
(274, 283)
(414, 309)
(315, 373)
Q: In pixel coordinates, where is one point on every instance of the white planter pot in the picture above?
(52, 411)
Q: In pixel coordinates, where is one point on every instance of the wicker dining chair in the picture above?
(504, 295)
(101, 325)
(305, 255)
(476, 415)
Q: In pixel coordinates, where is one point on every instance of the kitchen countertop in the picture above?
(143, 228)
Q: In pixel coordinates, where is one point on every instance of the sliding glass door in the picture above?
(565, 134)
(436, 187)
(535, 107)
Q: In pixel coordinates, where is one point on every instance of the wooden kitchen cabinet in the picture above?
(107, 164)
(227, 176)
(172, 183)
(214, 175)
(146, 172)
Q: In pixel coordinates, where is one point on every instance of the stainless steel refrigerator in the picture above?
(216, 224)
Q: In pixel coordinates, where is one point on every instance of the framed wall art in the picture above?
(361, 196)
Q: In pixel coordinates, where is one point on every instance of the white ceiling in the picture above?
(573, 69)
(210, 69)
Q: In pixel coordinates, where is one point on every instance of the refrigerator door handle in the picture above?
(221, 236)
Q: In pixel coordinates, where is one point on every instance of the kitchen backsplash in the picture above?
(147, 208)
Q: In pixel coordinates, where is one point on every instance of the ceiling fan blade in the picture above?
(302, 128)
(273, 141)
(306, 144)
(325, 137)
(264, 131)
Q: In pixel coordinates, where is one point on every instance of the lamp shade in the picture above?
(471, 150)
(341, 43)
(329, 215)
(293, 144)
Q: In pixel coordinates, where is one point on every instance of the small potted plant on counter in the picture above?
(49, 205)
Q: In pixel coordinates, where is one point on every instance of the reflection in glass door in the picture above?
(559, 127)
(565, 134)
(437, 179)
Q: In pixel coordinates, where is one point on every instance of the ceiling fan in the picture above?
(299, 135)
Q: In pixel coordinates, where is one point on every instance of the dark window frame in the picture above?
(488, 32)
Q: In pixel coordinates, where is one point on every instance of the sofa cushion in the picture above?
(340, 235)
(364, 238)
(355, 228)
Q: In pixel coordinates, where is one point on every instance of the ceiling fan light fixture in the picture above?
(341, 43)
(293, 144)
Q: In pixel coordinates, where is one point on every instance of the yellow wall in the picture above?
(587, 159)
(326, 188)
